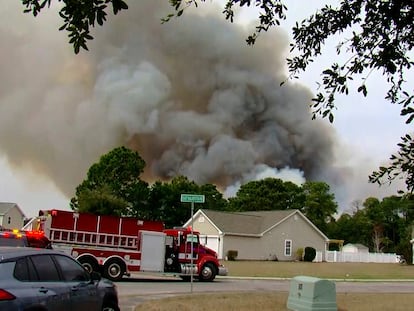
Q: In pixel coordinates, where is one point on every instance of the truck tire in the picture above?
(114, 270)
(208, 272)
(89, 264)
(109, 306)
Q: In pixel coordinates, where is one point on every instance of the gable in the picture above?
(11, 216)
(299, 215)
(5, 207)
(203, 224)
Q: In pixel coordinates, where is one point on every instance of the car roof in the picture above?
(10, 232)
(7, 252)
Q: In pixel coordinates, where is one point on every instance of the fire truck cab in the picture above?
(118, 246)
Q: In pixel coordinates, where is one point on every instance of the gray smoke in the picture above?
(190, 96)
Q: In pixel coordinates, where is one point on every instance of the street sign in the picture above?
(192, 198)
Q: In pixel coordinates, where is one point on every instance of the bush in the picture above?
(232, 255)
(310, 254)
(299, 254)
(272, 257)
(405, 249)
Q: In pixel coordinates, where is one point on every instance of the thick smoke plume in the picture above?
(190, 96)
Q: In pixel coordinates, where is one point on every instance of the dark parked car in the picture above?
(24, 238)
(46, 280)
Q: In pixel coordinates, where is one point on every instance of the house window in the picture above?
(288, 248)
(9, 220)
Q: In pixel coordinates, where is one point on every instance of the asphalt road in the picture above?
(136, 290)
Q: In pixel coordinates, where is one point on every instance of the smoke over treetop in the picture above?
(190, 96)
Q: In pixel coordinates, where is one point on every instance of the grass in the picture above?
(274, 301)
(267, 301)
(327, 270)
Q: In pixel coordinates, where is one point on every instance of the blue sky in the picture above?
(368, 129)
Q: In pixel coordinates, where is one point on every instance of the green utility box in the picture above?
(309, 293)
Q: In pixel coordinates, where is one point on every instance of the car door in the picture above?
(52, 291)
(83, 291)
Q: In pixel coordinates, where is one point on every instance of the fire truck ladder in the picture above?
(93, 238)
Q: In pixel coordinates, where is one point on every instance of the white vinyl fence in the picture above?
(336, 256)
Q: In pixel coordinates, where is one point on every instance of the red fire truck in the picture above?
(117, 246)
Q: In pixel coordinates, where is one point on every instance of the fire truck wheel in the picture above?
(208, 273)
(89, 264)
(114, 270)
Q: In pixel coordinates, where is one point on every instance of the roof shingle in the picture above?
(247, 223)
(5, 207)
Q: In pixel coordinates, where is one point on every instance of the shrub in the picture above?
(232, 255)
(299, 254)
(310, 254)
(405, 249)
(272, 257)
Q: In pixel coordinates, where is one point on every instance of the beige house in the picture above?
(11, 216)
(263, 235)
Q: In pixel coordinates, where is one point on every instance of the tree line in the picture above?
(113, 186)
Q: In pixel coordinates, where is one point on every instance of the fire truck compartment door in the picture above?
(152, 251)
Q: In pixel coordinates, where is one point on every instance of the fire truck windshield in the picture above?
(192, 238)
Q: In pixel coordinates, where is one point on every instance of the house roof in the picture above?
(253, 223)
(6, 206)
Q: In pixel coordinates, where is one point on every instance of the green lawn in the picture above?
(320, 269)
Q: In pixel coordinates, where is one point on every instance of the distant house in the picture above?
(355, 248)
(263, 235)
(11, 216)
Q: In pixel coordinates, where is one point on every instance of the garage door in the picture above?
(211, 241)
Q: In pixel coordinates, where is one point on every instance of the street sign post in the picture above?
(192, 198)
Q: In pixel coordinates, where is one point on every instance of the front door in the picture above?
(51, 291)
(82, 291)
